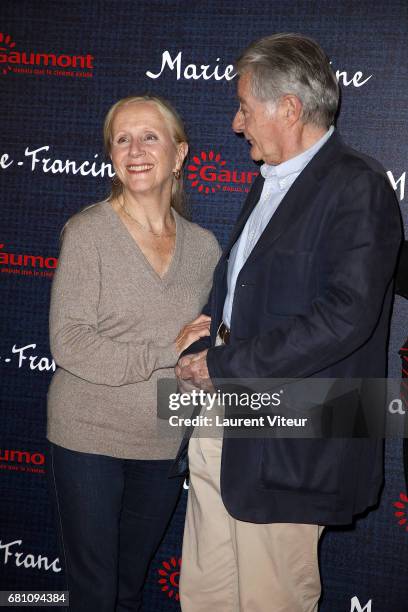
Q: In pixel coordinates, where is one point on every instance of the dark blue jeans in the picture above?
(113, 514)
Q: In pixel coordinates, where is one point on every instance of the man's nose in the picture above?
(238, 121)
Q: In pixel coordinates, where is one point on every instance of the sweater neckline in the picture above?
(122, 231)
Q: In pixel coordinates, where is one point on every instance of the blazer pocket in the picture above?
(306, 465)
(290, 284)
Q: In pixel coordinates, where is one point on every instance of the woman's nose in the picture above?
(137, 148)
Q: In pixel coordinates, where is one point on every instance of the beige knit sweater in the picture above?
(113, 322)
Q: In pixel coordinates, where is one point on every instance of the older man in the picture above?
(303, 289)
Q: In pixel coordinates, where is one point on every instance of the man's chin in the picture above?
(255, 154)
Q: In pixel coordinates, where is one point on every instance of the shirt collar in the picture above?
(296, 164)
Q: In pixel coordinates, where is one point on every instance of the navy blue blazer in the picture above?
(314, 298)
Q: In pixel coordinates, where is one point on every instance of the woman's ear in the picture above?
(182, 150)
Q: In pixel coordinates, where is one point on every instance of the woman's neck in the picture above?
(150, 212)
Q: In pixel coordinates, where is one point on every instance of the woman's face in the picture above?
(143, 152)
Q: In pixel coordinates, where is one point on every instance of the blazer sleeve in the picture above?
(401, 279)
(76, 344)
(363, 239)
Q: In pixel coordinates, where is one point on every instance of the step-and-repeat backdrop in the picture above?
(62, 65)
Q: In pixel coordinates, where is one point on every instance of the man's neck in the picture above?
(303, 139)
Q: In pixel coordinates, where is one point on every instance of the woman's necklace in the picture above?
(144, 227)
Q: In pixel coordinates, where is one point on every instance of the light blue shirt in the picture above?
(278, 180)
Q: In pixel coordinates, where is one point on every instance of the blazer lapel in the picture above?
(299, 197)
(250, 203)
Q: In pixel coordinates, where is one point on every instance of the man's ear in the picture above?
(291, 108)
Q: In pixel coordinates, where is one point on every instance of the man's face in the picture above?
(263, 130)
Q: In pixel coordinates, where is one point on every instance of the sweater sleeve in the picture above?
(215, 252)
(76, 343)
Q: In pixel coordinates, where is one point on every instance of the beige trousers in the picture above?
(234, 566)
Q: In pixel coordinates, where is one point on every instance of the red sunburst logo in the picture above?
(6, 44)
(401, 511)
(204, 171)
(169, 581)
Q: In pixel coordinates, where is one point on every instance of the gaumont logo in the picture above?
(25, 264)
(208, 173)
(6, 44)
(21, 461)
(11, 554)
(169, 573)
(400, 512)
(42, 63)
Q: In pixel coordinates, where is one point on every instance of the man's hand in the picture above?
(194, 368)
(192, 332)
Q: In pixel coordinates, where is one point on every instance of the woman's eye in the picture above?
(150, 137)
(121, 139)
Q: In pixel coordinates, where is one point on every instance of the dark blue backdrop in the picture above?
(62, 64)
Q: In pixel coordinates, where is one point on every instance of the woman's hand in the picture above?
(195, 330)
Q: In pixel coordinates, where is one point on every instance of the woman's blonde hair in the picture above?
(178, 134)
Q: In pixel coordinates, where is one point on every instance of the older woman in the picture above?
(132, 272)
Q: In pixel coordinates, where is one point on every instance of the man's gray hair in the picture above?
(292, 64)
